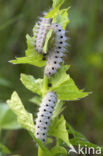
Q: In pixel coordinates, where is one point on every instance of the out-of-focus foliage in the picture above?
(86, 56)
(7, 118)
(79, 138)
(4, 149)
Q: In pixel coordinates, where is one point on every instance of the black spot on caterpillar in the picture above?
(44, 56)
(44, 116)
(49, 84)
(56, 54)
(42, 29)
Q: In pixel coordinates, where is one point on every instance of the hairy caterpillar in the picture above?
(44, 116)
(42, 29)
(55, 55)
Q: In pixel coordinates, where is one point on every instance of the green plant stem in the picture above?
(40, 152)
(45, 85)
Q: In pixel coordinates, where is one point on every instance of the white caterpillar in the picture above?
(42, 29)
(44, 116)
(57, 52)
(55, 55)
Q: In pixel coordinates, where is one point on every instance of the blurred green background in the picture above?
(17, 18)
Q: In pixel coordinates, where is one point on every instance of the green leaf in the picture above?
(57, 2)
(58, 150)
(36, 100)
(32, 56)
(4, 149)
(34, 85)
(59, 16)
(65, 87)
(35, 59)
(25, 119)
(47, 41)
(8, 119)
(54, 12)
(58, 109)
(31, 41)
(62, 18)
(58, 129)
(30, 44)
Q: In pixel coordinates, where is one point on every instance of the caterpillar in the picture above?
(42, 29)
(44, 116)
(56, 54)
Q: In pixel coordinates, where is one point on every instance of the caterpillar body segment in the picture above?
(56, 54)
(44, 116)
(42, 29)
